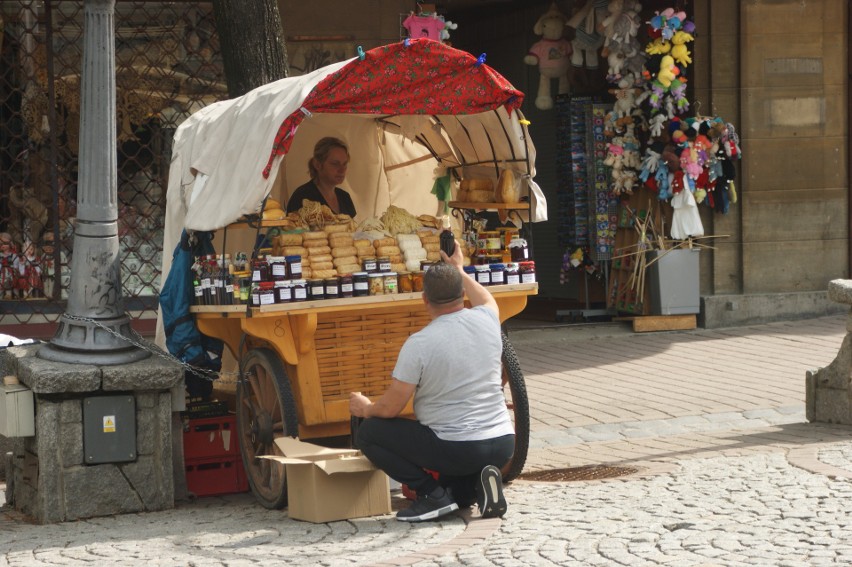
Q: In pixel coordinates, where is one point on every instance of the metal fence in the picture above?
(168, 65)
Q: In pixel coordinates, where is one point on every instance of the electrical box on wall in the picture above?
(109, 429)
(17, 411)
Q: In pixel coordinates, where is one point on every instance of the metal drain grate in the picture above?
(588, 472)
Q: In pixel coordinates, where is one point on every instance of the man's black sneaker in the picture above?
(489, 493)
(428, 507)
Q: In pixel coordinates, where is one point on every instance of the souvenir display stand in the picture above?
(636, 172)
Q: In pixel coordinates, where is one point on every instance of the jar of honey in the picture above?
(417, 281)
(377, 283)
(406, 283)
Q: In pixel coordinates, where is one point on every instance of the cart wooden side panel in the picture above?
(334, 347)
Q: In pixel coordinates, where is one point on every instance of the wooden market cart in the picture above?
(299, 361)
(420, 117)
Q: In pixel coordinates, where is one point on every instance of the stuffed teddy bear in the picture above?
(552, 54)
(625, 101)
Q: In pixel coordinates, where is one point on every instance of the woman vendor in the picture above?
(328, 169)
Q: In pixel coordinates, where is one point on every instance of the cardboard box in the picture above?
(326, 485)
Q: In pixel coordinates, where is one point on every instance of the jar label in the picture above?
(347, 288)
(362, 286)
(317, 290)
(255, 299)
(301, 293)
(483, 277)
(528, 278)
(513, 279)
(279, 270)
(267, 298)
(285, 294)
(384, 266)
(497, 277)
(331, 289)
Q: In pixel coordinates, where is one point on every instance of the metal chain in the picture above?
(139, 342)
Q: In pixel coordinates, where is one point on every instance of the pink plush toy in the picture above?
(689, 162)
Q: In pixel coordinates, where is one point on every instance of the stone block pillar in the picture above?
(49, 479)
(828, 390)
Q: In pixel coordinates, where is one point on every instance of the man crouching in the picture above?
(463, 430)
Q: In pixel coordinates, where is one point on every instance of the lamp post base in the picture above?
(89, 341)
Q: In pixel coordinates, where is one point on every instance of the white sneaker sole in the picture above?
(494, 503)
(432, 515)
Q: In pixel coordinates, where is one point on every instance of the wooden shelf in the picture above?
(346, 304)
(263, 223)
(492, 206)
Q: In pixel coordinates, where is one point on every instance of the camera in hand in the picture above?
(448, 241)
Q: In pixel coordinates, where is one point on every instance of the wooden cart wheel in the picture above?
(519, 408)
(265, 410)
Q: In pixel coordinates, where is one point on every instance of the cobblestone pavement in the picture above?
(728, 472)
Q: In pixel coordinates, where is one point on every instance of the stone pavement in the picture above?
(727, 471)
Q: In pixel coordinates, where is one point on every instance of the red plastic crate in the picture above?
(208, 477)
(211, 437)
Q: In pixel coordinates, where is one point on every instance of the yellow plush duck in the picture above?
(668, 71)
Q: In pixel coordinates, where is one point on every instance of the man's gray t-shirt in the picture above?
(455, 361)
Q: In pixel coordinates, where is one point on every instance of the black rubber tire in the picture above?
(264, 413)
(519, 405)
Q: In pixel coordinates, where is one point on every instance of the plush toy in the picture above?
(552, 55)
(680, 51)
(666, 23)
(625, 101)
(655, 125)
(678, 92)
(650, 163)
(663, 180)
(587, 37)
(630, 143)
(448, 26)
(668, 71)
(659, 46)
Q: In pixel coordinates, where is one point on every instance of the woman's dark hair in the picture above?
(442, 284)
(321, 151)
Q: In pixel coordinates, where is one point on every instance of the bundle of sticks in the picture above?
(651, 236)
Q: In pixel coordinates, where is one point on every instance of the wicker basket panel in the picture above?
(358, 352)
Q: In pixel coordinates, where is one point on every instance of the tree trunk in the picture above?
(253, 49)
